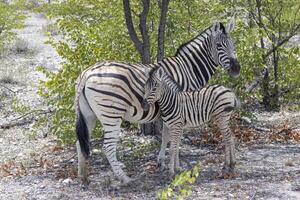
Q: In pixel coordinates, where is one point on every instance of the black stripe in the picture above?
(221, 93)
(113, 107)
(121, 77)
(111, 94)
(194, 68)
(132, 73)
(112, 117)
(202, 104)
(207, 113)
(223, 104)
(200, 65)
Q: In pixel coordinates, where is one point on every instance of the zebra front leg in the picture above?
(111, 139)
(175, 133)
(177, 162)
(162, 153)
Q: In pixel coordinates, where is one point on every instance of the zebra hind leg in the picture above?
(228, 137)
(112, 132)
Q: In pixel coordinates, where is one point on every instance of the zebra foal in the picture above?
(188, 110)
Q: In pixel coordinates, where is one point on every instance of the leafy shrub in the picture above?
(10, 18)
(180, 186)
(50, 28)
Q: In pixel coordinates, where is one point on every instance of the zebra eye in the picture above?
(219, 46)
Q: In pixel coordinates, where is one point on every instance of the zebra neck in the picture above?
(198, 57)
(170, 94)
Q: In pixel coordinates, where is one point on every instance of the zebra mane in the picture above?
(167, 79)
(222, 28)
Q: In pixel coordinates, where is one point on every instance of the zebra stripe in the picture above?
(111, 91)
(188, 110)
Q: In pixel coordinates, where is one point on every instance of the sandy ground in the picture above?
(33, 166)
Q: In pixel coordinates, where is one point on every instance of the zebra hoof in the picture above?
(228, 170)
(228, 173)
(161, 166)
(172, 172)
(126, 180)
(171, 175)
(85, 183)
(178, 169)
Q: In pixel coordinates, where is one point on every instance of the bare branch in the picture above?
(7, 88)
(144, 32)
(259, 78)
(24, 120)
(159, 3)
(283, 41)
(130, 27)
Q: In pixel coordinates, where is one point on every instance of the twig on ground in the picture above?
(67, 161)
(14, 122)
(253, 196)
(7, 88)
(39, 112)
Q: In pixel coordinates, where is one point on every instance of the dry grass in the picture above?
(20, 46)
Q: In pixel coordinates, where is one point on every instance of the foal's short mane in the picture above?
(168, 78)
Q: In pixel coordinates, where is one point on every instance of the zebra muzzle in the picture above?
(234, 69)
(145, 105)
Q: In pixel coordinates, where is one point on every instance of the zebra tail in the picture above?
(82, 134)
(236, 104)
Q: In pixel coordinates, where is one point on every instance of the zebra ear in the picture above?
(215, 28)
(147, 72)
(230, 26)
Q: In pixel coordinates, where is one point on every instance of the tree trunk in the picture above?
(161, 29)
(155, 128)
(274, 102)
(143, 45)
(265, 84)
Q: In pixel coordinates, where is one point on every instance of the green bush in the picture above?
(11, 17)
(180, 188)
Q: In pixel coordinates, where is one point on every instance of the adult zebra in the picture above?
(112, 91)
(190, 109)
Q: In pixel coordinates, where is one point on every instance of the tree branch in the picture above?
(132, 33)
(144, 32)
(259, 78)
(7, 88)
(161, 29)
(283, 41)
